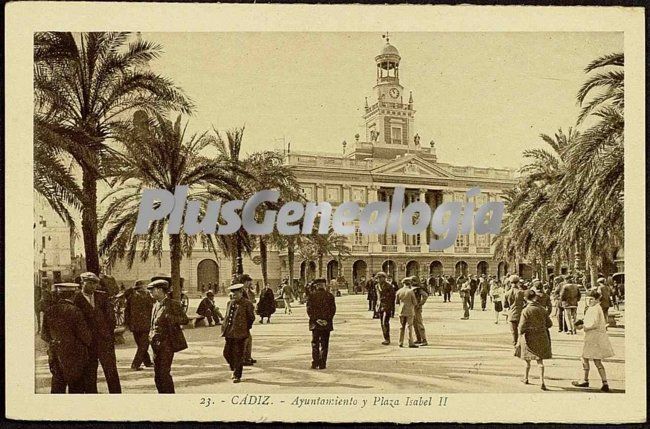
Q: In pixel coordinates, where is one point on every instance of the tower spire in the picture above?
(385, 36)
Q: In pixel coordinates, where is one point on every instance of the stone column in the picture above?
(320, 193)
(448, 196)
(424, 243)
(373, 239)
(347, 193)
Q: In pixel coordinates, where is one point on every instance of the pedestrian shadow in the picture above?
(303, 384)
(588, 390)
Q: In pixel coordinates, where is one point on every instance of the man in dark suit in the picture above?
(386, 307)
(165, 336)
(249, 294)
(321, 308)
(137, 316)
(68, 338)
(100, 318)
(236, 327)
(208, 310)
(473, 286)
(516, 301)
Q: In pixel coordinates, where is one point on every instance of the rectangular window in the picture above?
(396, 135)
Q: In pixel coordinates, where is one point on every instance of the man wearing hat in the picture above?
(421, 294)
(249, 294)
(386, 307)
(137, 316)
(100, 318)
(166, 336)
(605, 296)
(236, 327)
(542, 298)
(68, 338)
(516, 300)
(321, 308)
(208, 310)
(569, 297)
(407, 302)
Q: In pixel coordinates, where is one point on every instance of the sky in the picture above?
(482, 97)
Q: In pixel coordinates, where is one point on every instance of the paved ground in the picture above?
(464, 356)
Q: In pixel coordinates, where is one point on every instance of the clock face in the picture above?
(394, 92)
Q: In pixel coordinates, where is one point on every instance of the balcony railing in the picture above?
(359, 247)
(413, 248)
(389, 248)
(483, 250)
(461, 249)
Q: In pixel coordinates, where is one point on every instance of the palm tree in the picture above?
(157, 154)
(268, 171)
(84, 85)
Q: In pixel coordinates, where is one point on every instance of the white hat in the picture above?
(235, 287)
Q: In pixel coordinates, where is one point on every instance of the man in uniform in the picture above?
(386, 295)
(236, 327)
(166, 336)
(100, 318)
(68, 337)
(137, 316)
(421, 295)
(321, 309)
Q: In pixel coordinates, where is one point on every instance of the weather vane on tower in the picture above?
(385, 36)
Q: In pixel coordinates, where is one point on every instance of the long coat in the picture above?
(100, 320)
(239, 319)
(534, 339)
(597, 344)
(68, 336)
(137, 312)
(570, 295)
(321, 306)
(165, 325)
(266, 304)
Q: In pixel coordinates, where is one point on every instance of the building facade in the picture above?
(390, 155)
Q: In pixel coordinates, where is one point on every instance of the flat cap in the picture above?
(514, 278)
(89, 276)
(162, 284)
(381, 274)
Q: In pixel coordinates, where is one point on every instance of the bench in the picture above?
(119, 334)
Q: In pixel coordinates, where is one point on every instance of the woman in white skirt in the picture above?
(597, 346)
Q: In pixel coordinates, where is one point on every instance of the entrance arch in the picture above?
(482, 268)
(332, 270)
(207, 272)
(460, 269)
(390, 268)
(307, 271)
(435, 268)
(359, 271)
(412, 268)
(502, 269)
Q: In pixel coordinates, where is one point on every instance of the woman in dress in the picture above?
(597, 345)
(534, 338)
(496, 293)
(266, 304)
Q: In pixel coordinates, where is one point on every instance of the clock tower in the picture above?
(389, 121)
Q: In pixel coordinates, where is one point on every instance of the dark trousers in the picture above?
(59, 385)
(248, 348)
(142, 354)
(483, 301)
(514, 329)
(104, 353)
(561, 323)
(466, 305)
(372, 303)
(233, 351)
(320, 342)
(447, 296)
(384, 319)
(471, 300)
(162, 367)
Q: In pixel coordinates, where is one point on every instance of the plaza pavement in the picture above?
(472, 355)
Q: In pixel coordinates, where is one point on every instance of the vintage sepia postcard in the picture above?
(325, 213)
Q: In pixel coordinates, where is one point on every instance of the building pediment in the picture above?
(411, 165)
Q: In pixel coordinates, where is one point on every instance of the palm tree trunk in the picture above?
(263, 257)
(593, 266)
(240, 259)
(89, 220)
(291, 257)
(320, 266)
(233, 262)
(175, 257)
